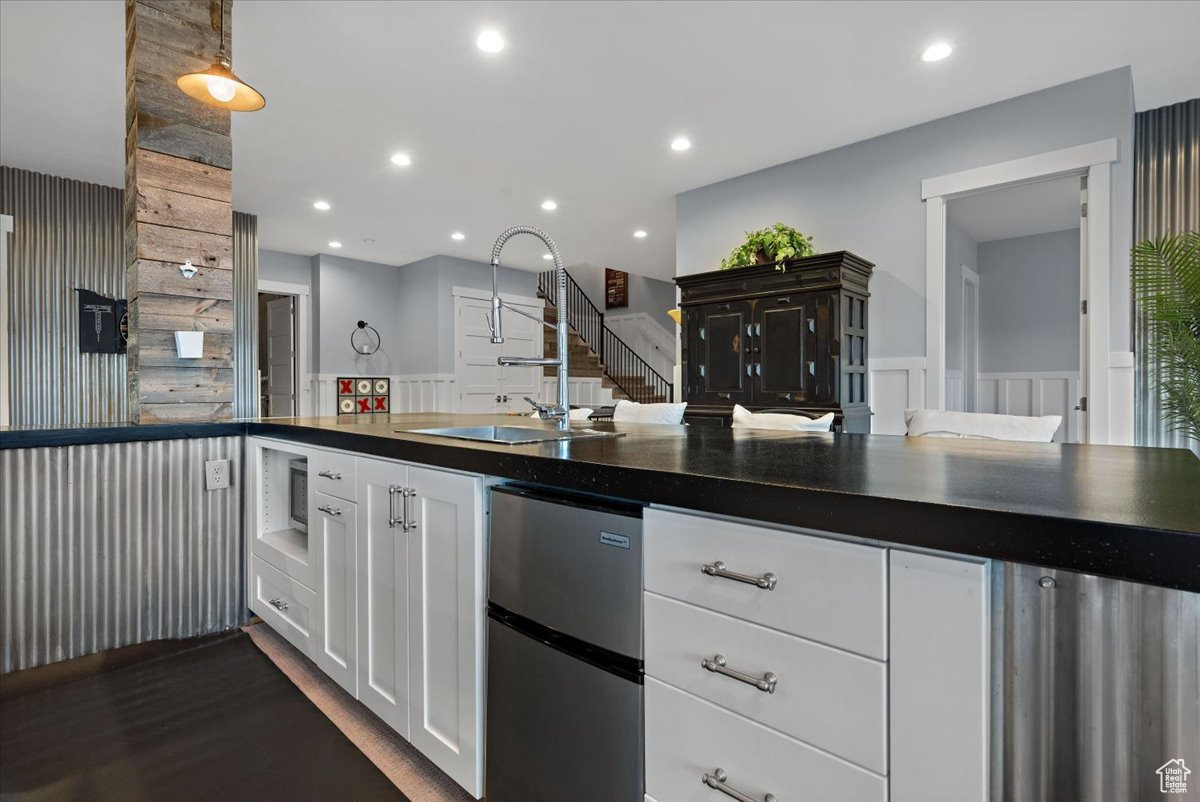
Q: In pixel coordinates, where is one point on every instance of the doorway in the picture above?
(1091, 166)
(1014, 279)
(284, 367)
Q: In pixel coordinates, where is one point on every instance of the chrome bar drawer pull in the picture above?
(392, 519)
(717, 780)
(278, 604)
(766, 581)
(409, 523)
(329, 509)
(330, 474)
(766, 683)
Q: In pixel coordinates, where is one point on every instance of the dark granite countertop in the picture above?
(1129, 513)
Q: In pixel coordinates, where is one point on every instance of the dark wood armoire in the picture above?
(794, 339)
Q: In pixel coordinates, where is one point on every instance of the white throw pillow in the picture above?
(633, 412)
(745, 419)
(583, 413)
(980, 425)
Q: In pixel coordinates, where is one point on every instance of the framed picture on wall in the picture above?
(616, 288)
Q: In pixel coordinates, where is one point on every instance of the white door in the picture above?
(383, 592)
(336, 531)
(485, 386)
(281, 358)
(476, 368)
(447, 607)
(970, 343)
(1080, 429)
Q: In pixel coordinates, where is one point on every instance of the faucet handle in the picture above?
(547, 411)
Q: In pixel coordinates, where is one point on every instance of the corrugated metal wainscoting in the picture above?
(1096, 685)
(1166, 200)
(66, 235)
(108, 545)
(245, 315)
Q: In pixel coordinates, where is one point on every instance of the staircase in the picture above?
(623, 373)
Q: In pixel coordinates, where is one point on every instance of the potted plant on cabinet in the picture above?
(776, 245)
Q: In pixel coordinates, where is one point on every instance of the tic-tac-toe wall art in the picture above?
(363, 395)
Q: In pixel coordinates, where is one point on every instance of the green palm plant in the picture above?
(1166, 279)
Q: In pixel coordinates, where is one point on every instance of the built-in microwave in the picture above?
(298, 484)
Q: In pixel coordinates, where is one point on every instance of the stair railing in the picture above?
(632, 374)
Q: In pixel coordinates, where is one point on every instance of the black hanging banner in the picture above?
(103, 328)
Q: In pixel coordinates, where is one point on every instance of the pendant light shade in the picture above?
(218, 85)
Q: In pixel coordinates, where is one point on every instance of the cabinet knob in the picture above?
(278, 604)
(330, 474)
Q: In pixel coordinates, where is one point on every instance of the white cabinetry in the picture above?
(333, 524)
(940, 628)
(447, 605)
(845, 671)
(384, 589)
(383, 546)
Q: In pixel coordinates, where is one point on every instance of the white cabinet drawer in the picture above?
(285, 604)
(332, 473)
(826, 697)
(825, 589)
(687, 738)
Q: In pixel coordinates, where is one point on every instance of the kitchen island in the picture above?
(1116, 511)
(927, 589)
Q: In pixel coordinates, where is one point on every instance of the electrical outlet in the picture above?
(216, 474)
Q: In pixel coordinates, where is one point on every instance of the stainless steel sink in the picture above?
(511, 435)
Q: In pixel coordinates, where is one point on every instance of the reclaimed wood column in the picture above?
(178, 179)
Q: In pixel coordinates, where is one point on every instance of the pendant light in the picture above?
(218, 85)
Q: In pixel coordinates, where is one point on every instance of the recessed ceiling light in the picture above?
(322, 206)
(549, 205)
(335, 244)
(640, 234)
(681, 143)
(547, 256)
(458, 235)
(490, 42)
(401, 159)
(937, 51)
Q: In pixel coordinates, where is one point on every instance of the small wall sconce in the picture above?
(189, 344)
(188, 269)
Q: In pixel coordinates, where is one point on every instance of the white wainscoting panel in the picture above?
(584, 392)
(1042, 393)
(648, 340)
(432, 392)
(955, 391)
(894, 385)
(1120, 398)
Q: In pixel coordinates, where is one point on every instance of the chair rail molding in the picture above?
(414, 392)
(894, 384)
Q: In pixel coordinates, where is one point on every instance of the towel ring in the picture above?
(363, 346)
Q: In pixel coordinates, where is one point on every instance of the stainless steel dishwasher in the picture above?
(564, 693)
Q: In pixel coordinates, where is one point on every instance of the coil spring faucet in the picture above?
(560, 411)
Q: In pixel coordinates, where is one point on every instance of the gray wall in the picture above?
(290, 267)
(960, 250)
(344, 292)
(411, 305)
(866, 197)
(1029, 303)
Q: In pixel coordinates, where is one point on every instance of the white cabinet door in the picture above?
(940, 683)
(446, 633)
(383, 592)
(336, 530)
